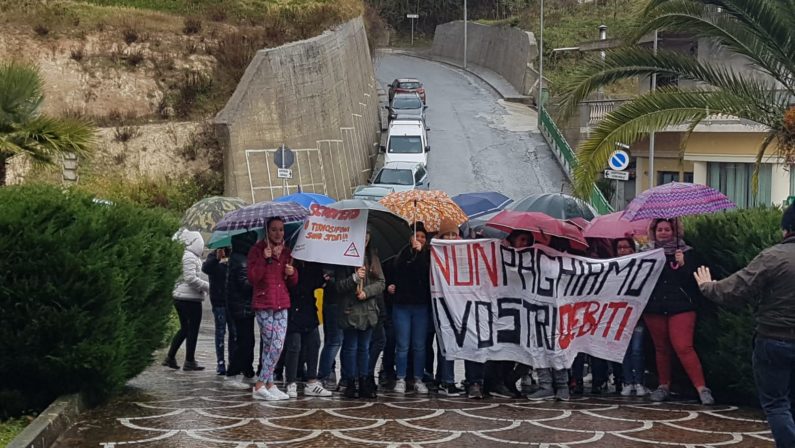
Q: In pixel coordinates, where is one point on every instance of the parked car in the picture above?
(372, 192)
(407, 141)
(402, 176)
(406, 106)
(407, 85)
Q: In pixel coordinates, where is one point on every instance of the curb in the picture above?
(513, 99)
(50, 424)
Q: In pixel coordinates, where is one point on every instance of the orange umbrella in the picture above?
(426, 206)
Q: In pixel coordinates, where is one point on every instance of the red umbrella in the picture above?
(540, 225)
(612, 227)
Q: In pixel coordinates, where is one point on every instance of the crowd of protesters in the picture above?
(382, 310)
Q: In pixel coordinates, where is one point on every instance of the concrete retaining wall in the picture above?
(318, 97)
(508, 51)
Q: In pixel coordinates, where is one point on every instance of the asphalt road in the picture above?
(478, 142)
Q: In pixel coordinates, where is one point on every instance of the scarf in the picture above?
(671, 246)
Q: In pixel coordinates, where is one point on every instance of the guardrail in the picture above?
(567, 157)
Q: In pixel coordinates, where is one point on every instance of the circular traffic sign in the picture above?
(619, 160)
(284, 157)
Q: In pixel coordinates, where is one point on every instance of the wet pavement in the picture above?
(175, 409)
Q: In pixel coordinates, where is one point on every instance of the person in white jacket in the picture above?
(189, 293)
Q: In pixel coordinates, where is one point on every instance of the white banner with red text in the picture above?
(332, 236)
(535, 305)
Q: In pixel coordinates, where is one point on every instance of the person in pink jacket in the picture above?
(270, 272)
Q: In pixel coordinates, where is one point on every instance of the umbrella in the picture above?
(556, 205)
(479, 204)
(426, 206)
(536, 223)
(676, 199)
(306, 199)
(390, 232)
(256, 216)
(205, 214)
(580, 222)
(612, 227)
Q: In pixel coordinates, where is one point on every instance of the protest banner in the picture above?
(332, 236)
(535, 305)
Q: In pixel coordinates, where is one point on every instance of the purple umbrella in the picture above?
(257, 215)
(676, 199)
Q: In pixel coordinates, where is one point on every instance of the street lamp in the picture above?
(465, 34)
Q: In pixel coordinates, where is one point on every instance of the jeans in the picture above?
(634, 362)
(377, 344)
(356, 352)
(332, 340)
(675, 333)
(411, 327)
(190, 317)
(774, 373)
(221, 325)
(308, 343)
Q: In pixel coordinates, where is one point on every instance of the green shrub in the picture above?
(85, 293)
(727, 242)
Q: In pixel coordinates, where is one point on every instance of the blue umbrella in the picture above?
(479, 204)
(306, 199)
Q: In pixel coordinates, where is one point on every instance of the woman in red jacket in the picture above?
(270, 271)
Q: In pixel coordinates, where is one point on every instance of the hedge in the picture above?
(727, 242)
(85, 293)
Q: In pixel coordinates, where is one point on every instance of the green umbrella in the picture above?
(205, 214)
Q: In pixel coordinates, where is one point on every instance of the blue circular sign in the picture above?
(619, 160)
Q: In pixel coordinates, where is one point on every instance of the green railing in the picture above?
(568, 158)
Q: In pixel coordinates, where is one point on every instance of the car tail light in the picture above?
(420, 90)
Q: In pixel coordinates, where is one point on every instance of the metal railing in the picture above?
(568, 158)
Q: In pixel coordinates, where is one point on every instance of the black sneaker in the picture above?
(451, 390)
(501, 391)
(171, 362)
(474, 391)
(191, 366)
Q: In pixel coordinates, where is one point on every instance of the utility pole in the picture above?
(465, 34)
(540, 98)
(651, 135)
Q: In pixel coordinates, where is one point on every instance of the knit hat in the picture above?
(788, 220)
(447, 226)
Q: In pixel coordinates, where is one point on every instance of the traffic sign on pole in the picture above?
(619, 160)
(616, 175)
(284, 157)
(284, 173)
(412, 16)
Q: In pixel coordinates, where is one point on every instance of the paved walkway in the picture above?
(174, 409)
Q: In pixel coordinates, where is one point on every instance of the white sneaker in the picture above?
(400, 387)
(627, 390)
(292, 390)
(315, 389)
(263, 394)
(420, 387)
(640, 390)
(236, 382)
(273, 390)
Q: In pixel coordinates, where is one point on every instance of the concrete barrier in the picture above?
(318, 97)
(511, 52)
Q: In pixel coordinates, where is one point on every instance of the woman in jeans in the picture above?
(271, 272)
(634, 363)
(670, 315)
(411, 295)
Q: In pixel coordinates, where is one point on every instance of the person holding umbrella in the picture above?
(271, 272)
(634, 364)
(670, 314)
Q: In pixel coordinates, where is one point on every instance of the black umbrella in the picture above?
(390, 232)
(556, 205)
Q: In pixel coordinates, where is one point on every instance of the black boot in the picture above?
(350, 389)
(191, 366)
(367, 387)
(170, 361)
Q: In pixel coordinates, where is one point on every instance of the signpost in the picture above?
(284, 158)
(618, 162)
(413, 17)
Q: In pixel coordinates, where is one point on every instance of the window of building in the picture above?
(734, 180)
(666, 177)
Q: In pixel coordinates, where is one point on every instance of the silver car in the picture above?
(406, 106)
(395, 176)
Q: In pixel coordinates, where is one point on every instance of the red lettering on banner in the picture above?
(457, 281)
(579, 319)
(588, 320)
(476, 259)
(444, 266)
(614, 306)
(490, 265)
(331, 213)
(624, 322)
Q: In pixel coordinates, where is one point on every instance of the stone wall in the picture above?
(318, 97)
(511, 52)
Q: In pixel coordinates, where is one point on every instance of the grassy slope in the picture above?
(11, 428)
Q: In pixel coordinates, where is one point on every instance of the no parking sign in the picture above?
(619, 160)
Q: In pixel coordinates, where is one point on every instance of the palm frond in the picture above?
(759, 156)
(654, 111)
(20, 93)
(44, 138)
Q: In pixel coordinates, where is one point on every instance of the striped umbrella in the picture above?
(256, 216)
(676, 199)
(426, 206)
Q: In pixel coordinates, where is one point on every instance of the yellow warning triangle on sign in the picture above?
(352, 251)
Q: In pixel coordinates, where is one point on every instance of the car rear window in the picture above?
(409, 85)
(406, 102)
(405, 144)
(394, 176)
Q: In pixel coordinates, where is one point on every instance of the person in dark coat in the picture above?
(303, 336)
(238, 301)
(215, 266)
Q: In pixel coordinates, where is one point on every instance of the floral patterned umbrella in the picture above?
(426, 206)
(205, 214)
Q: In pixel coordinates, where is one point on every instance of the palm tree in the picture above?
(23, 130)
(759, 30)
